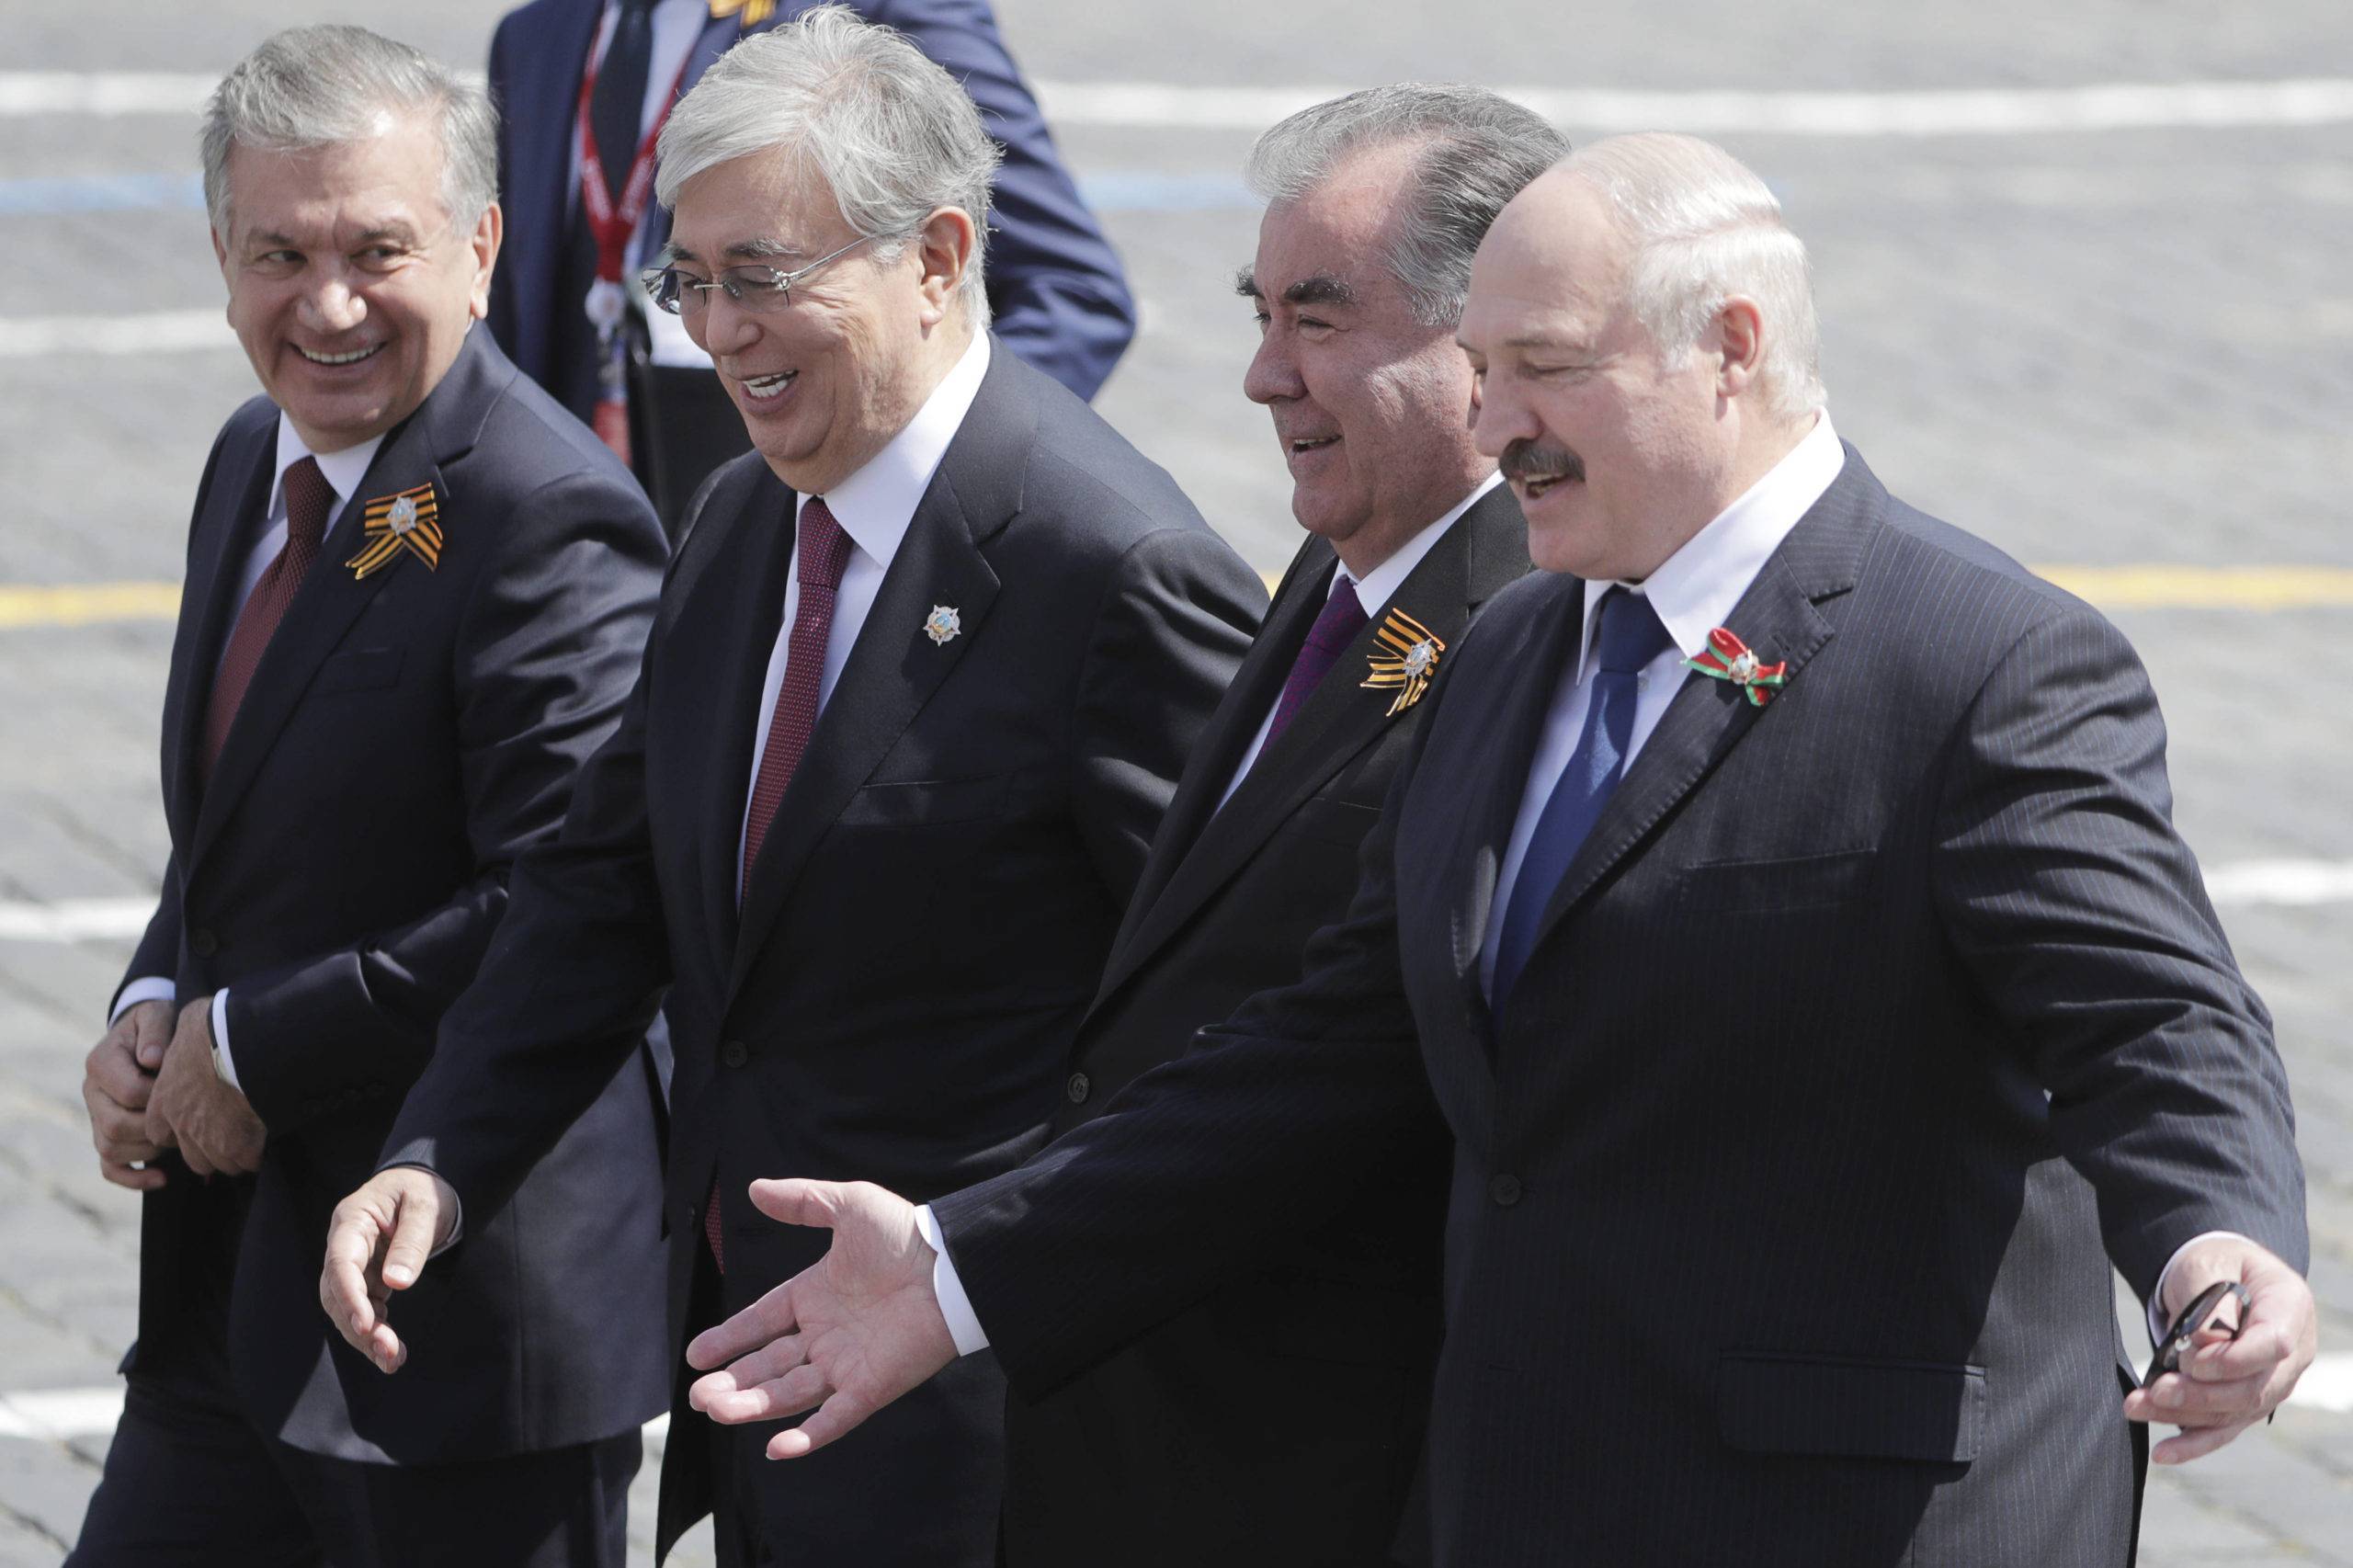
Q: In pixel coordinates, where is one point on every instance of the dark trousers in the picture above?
(190, 1484)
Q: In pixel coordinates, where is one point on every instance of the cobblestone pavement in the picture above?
(2100, 349)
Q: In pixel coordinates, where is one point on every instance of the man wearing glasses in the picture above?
(920, 687)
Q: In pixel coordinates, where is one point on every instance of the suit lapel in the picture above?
(747, 576)
(894, 667)
(1195, 812)
(209, 606)
(331, 597)
(1778, 618)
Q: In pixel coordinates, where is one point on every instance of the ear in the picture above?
(221, 253)
(945, 245)
(484, 243)
(1740, 345)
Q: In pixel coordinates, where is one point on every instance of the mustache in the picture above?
(1524, 459)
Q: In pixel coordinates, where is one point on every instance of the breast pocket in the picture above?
(358, 669)
(927, 801)
(1780, 886)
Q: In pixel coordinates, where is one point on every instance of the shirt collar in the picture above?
(876, 505)
(1378, 586)
(344, 470)
(1695, 589)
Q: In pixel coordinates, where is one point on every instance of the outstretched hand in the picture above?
(844, 1336)
(2234, 1374)
(378, 1243)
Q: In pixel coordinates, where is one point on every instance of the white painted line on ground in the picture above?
(75, 919)
(154, 331)
(2281, 881)
(1997, 111)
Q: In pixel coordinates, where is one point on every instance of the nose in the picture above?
(722, 328)
(333, 306)
(1273, 373)
(1498, 417)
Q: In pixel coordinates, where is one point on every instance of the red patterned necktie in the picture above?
(823, 550)
(309, 499)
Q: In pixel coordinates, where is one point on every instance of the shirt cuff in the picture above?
(963, 1323)
(2159, 1318)
(146, 988)
(222, 1062)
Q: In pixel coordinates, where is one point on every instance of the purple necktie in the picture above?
(1333, 630)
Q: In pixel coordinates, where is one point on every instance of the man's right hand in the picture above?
(117, 1077)
(377, 1244)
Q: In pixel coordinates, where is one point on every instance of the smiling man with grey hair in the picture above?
(922, 682)
(417, 590)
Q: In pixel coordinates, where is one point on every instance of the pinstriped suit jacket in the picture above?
(1865, 1030)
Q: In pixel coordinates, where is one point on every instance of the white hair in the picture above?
(892, 134)
(1476, 150)
(1702, 227)
(327, 87)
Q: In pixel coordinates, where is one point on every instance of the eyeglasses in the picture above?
(756, 289)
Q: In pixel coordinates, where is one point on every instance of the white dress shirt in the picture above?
(874, 506)
(343, 470)
(1373, 592)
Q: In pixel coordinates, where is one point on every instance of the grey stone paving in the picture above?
(2106, 348)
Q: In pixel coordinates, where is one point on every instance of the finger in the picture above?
(2187, 1445)
(152, 1034)
(841, 1413)
(125, 1174)
(343, 1283)
(414, 1223)
(2264, 1345)
(191, 1151)
(384, 1348)
(112, 1069)
(798, 1201)
(770, 1318)
(2176, 1401)
(770, 1361)
(801, 1389)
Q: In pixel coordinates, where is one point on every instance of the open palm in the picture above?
(844, 1336)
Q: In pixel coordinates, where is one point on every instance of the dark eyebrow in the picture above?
(399, 234)
(1320, 291)
(1246, 283)
(763, 250)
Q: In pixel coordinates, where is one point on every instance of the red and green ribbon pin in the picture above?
(1726, 657)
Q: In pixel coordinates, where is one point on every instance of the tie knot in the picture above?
(309, 499)
(1631, 633)
(1341, 617)
(825, 547)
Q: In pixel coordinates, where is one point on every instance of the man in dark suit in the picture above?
(1780, 912)
(1055, 287)
(1295, 1446)
(915, 702)
(416, 591)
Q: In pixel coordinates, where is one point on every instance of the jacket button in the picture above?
(733, 1053)
(203, 943)
(1077, 1089)
(1504, 1190)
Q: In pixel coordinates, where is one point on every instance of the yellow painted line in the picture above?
(2112, 587)
(2206, 587)
(81, 603)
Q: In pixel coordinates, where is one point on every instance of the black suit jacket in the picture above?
(1863, 1031)
(1277, 1420)
(925, 925)
(403, 738)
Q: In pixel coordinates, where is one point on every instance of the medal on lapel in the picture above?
(1726, 657)
(1406, 661)
(408, 520)
(942, 624)
(753, 11)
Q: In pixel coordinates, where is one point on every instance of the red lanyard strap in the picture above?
(611, 225)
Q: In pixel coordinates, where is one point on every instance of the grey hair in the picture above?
(1703, 227)
(892, 135)
(322, 86)
(1478, 149)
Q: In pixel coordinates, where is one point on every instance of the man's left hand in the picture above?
(193, 1108)
(2227, 1384)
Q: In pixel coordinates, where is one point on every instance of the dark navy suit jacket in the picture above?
(404, 737)
(893, 999)
(1863, 1031)
(1054, 285)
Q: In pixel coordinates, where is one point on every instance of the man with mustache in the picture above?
(417, 594)
(1781, 914)
(915, 702)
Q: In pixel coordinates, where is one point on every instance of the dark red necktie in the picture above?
(823, 550)
(309, 499)
(1333, 630)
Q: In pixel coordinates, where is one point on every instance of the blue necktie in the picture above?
(1631, 637)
